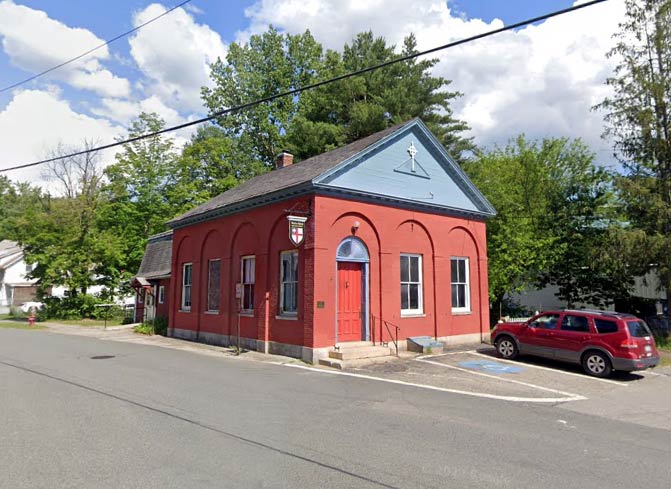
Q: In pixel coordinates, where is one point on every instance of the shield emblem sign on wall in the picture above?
(296, 229)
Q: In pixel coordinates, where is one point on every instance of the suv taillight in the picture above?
(628, 344)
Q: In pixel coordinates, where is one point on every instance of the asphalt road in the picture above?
(158, 418)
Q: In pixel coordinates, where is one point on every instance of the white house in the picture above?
(15, 288)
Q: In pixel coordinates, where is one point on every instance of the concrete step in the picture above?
(359, 352)
(353, 364)
(425, 344)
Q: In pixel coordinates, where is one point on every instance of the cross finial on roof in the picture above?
(412, 151)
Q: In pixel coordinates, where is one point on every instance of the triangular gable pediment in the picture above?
(410, 166)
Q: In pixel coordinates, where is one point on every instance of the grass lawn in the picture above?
(664, 347)
(16, 324)
(88, 322)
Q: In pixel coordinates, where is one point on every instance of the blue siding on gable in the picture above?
(377, 173)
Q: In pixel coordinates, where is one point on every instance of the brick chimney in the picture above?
(284, 159)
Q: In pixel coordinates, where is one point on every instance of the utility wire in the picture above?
(53, 68)
(310, 87)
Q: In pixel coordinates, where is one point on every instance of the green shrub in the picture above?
(161, 325)
(79, 307)
(144, 328)
(158, 326)
(16, 313)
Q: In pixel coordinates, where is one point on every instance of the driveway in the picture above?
(638, 397)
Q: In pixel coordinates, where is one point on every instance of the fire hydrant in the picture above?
(31, 318)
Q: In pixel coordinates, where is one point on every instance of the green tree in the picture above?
(269, 64)
(61, 234)
(638, 119)
(141, 191)
(211, 164)
(553, 222)
(332, 115)
(362, 105)
(16, 199)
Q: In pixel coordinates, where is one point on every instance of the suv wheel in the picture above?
(506, 347)
(596, 364)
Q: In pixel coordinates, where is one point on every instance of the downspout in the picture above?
(482, 338)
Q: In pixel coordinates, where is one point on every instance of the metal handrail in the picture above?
(387, 325)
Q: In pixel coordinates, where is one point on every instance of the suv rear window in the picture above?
(605, 327)
(638, 329)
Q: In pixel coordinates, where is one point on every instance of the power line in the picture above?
(311, 86)
(116, 38)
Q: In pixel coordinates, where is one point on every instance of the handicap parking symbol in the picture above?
(491, 367)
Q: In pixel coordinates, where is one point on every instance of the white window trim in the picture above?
(467, 307)
(284, 313)
(184, 307)
(207, 297)
(420, 300)
(161, 294)
(246, 312)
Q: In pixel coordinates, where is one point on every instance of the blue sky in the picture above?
(541, 80)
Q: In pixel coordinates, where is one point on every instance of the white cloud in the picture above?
(124, 111)
(35, 122)
(35, 42)
(541, 80)
(174, 55)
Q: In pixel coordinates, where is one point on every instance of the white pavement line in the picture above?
(573, 374)
(546, 400)
(497, 377)
(456, 352)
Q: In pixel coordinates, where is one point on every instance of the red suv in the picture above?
(600, 341)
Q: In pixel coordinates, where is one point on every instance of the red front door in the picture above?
(349, 301)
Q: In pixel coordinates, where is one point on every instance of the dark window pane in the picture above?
(414, 296)
(455, 295)
(546, 321)
(575, 323)
(294, 266)
(461, 289)
(605, 327)
(405, 269)
(462, 270)
(454, 271)
(293, 299)
(638, 329)
(404, 296)
(248, 297)
(414, 269)
(214, 274)
(286, 266)
(287, 297)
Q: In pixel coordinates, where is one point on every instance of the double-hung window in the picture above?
(161, 294)
(289, 283)
(461, 295)
(187, 277)
(411, 284)
(248, 266)
(213, 281)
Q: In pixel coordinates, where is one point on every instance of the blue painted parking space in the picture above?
(491, 367)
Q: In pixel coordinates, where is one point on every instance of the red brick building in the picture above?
(346, 246)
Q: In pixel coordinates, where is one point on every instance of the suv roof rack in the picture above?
(601, 312)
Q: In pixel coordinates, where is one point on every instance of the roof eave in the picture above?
(244, 205)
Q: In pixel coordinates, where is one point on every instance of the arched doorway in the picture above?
(352, 291)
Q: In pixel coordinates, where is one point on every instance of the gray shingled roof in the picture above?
(287, 177)
(157, 257)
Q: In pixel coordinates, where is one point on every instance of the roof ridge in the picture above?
(289, 176)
